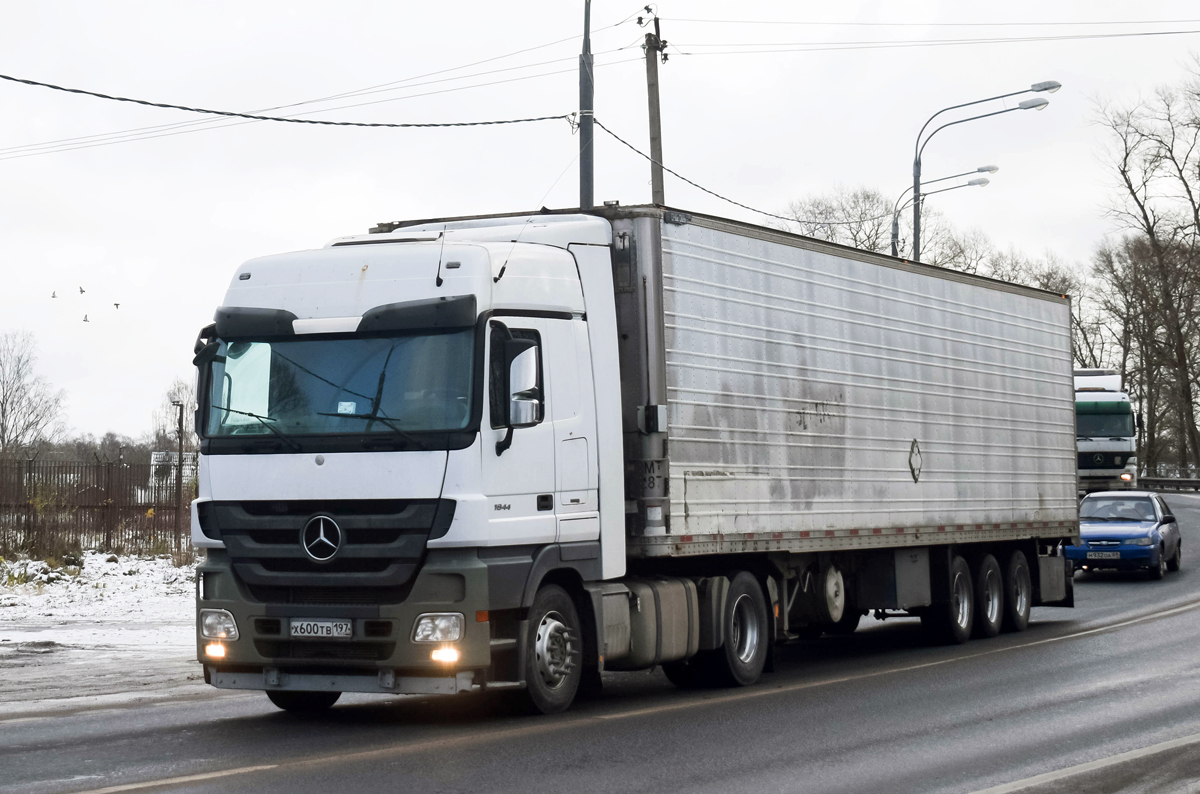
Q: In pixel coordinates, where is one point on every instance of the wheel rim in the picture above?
(1021, 599)
(554, 650)
(991, 581)
(745, 628)
(962, 601)
(835, 594)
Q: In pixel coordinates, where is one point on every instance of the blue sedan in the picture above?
(1126, 531)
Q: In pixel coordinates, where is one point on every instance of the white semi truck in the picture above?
(521, 450)
(1105, 432)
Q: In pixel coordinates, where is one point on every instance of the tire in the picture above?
(1176, 559)
(1018, 593)
(1160, 570)
(847, 625)
(741, 658)
(951, 622)
(989, 598)
(303, 702)
(553, 652)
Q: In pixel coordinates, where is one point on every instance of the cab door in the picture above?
(573, 412)
(518, 470)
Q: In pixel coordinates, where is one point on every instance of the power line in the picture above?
(676, 174)
(166, 131)
(932, 24)
(283, 119)
(802, 46)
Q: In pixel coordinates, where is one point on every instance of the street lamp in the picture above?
(896, 208)
(1038, 103)
(980, 182)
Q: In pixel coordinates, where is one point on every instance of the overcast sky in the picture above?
(159, 224)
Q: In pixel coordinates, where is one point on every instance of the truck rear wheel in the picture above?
(740, 661)
(951, 622)
(553, 651)
(1018, 593)
(989, 598)
(303, 702)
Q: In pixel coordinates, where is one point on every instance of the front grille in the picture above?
(382, 546)
(267, 626)
(345, 651)
(1103, 460)
(1101, 544)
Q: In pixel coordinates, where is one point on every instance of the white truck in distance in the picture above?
(520, 450)
(1105, 432)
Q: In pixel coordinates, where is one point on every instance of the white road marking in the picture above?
(175, 781)
(1079, 769)
(547, 725)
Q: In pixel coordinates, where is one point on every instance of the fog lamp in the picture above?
(445, 655)
(438, 627)
(217, 624)
(215, 650)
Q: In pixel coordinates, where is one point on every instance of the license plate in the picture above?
(1104, 555)
(335, 629)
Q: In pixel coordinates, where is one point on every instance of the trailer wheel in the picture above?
(688, 674)
(553, 663)
(1018, 593)
(303, 702)
(740, 661)
(951, 622)
(989, 598)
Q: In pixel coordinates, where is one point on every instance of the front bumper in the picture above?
(1109, 480)
(1132, 558)
(379, 657)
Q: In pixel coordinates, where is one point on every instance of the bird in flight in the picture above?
(85, 319)
(81, 290)
(116, 305)
(54, 294)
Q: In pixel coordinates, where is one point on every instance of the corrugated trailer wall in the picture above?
(819, 397)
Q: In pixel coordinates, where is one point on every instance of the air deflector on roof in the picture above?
(458, 312)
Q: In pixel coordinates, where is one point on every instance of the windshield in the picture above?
(1105, 425)
(410, 383)
(1117, 508)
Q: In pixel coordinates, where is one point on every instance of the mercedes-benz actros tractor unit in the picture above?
(1106, 432)
(522, 450)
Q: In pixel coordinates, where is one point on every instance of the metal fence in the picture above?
(49, 507)
(1169, 483)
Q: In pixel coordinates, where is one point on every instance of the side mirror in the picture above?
(524, 404)
(1168, 520)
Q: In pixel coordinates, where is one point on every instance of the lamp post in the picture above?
(179, 483)
(896, 208)
(1048, 86)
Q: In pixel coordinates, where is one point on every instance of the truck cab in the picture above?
(1105, 431)
(401, 437)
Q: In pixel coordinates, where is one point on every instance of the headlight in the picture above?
(1127, 477)
(217, 624)
(1147, 541)
(438, 627)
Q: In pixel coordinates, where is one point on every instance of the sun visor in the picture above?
(457, 312)
(239, 321)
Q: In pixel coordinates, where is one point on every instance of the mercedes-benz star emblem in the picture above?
(321, 538)
(1097, 458)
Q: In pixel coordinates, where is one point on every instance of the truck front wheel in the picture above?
(553, 651)
(303, 702)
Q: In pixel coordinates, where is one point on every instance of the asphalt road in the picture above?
(1108, 692)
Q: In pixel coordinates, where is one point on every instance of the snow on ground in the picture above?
(103, 633)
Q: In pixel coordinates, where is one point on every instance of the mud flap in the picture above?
(1056, 588)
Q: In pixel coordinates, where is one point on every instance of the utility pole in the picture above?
(654, 48)
(587, 89)
(179, 484)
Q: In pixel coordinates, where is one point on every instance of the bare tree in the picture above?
(166, 418)
(31, 412)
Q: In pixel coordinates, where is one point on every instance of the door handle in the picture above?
(545, 501)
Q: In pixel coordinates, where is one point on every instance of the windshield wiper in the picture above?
(409, 437)
(263, 421)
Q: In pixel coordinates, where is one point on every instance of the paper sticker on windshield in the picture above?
(347, 408)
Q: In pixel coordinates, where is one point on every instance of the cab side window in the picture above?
(497, 377)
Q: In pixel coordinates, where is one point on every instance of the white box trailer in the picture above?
(614, 440)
